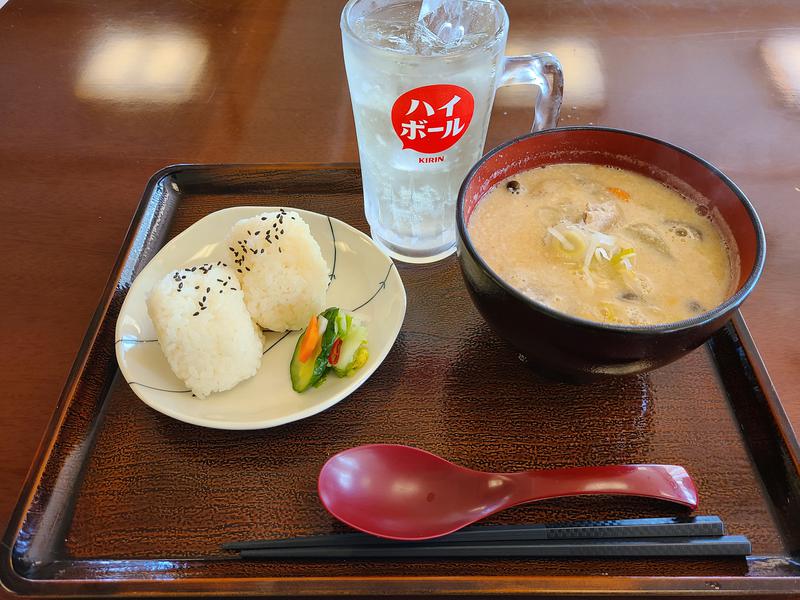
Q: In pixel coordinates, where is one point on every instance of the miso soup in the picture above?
(604, 244)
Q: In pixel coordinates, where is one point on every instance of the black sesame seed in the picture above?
(233, 288)
(279, 249)
(263, 218)
(248, 232)
(239, 270)
(205, 307)
(247, 268)
(197, 287)
(195, 314)
(220, 280)
(257, 232)
(204, 298)
(262, 251)
(513, 186)
(281, 231)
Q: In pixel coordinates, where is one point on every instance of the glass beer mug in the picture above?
(422, 102)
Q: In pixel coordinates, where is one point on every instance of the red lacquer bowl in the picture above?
(576, 349)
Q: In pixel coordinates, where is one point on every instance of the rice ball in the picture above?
(204, 329)
(281, 269)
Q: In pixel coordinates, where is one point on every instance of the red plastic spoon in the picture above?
(404, 493)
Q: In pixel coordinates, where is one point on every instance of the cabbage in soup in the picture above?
(604, 244)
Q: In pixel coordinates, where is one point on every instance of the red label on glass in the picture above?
(432, 118)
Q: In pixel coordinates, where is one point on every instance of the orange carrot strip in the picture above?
(310, 339)
(619, 193)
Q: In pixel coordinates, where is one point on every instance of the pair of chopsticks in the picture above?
(658, 537)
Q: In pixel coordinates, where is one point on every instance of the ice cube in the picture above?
(444, 19)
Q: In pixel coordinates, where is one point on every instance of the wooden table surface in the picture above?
(96, 96)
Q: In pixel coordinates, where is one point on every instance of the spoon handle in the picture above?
(664, 482)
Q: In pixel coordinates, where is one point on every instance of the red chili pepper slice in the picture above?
(333, 357)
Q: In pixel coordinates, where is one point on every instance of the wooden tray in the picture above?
(122, 500)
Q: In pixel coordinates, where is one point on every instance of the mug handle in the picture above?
(534, 69)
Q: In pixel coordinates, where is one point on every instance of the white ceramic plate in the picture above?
(363, 279)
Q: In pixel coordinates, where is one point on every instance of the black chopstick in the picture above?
(621, 528)
(729, 545)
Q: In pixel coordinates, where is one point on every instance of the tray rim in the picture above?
(378, 585)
